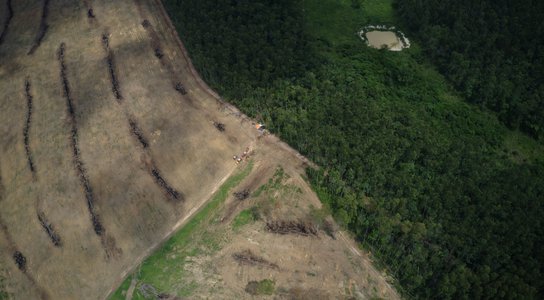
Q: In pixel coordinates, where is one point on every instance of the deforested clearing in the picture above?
(105, 167)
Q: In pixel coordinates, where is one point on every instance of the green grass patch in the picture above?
(273, 183)
(164, 269)
(121, 291)
(277, 183)
(263, 287)
(244, 217)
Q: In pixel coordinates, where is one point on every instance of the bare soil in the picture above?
(303, 266)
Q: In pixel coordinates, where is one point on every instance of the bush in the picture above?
(263, 287)
(245, 217)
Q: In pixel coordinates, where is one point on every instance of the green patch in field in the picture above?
(164, 270)
(263, 287)
(122, 290)
(276, 188)
(277, 184)
(245, 217)
(273, 183)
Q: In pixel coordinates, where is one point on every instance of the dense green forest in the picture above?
(446, 197)
(491, 50)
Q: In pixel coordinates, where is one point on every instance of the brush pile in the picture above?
(305, 228)
(248, 258)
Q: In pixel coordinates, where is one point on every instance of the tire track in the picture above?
(42, 30)
(5, 26)
(170, 192)
(108, 242)
(27, 128)
(18, 257)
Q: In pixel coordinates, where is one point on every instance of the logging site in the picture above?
(124, 176)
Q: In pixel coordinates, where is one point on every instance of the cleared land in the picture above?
(107, 145)
(279, 235)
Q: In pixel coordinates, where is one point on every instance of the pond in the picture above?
(381, 37)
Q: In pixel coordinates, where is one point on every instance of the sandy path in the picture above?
(131, 289)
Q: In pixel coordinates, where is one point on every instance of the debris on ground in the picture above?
(146, 24)
(242, 195)
(150, 292)
(260, 127)
(245, 155)
(180, 88)
(158, 53)
(165, 296)
(247, 257)
(219, 126)
(305, 228)
(20, 260)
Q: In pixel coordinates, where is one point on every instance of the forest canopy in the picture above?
(491, 50)
(446, 197)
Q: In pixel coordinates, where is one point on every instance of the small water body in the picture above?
(384, 37)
